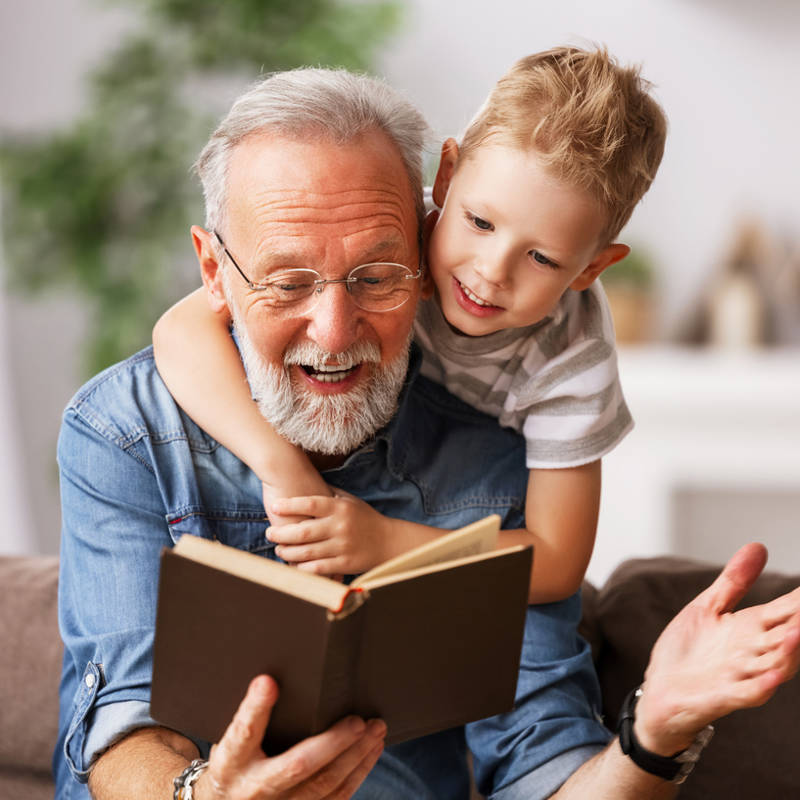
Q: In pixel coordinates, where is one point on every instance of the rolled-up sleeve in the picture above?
(113, 528)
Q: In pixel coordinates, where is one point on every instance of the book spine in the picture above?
(338, 689)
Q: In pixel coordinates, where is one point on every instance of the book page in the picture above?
(305, 585)
(395, 577)
(479, 537)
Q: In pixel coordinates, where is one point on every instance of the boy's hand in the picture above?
(303, 485)
(340, 535)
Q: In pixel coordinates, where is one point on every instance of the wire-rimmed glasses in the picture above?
(378, 286)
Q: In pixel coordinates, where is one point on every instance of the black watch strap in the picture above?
(674, 768)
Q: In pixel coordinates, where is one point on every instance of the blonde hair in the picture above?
(592, 123)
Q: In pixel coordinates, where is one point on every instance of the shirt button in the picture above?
(89, 680)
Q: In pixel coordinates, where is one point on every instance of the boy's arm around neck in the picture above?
(198, 361)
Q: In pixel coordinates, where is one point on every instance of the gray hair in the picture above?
(332, 104)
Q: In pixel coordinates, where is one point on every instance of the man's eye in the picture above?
(480, 223)
(290, 286)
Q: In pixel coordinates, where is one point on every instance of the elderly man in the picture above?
(322, 169)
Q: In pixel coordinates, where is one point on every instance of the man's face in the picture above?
(328, 376)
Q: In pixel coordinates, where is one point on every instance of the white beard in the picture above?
(331, 424)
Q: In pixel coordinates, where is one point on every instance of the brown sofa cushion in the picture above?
(755, 752)
(30, 666)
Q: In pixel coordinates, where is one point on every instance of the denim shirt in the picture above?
(137, 473)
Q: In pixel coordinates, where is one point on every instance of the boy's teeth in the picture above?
(472, 296)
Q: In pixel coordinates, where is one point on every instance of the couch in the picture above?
(755, 753)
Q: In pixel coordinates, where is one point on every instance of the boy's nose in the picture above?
(494, 268)
(335, 321)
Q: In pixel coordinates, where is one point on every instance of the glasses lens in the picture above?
(380, 287)
(288, 288)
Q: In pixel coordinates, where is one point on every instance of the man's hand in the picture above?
(710, 660)
(342, 535)
(331, 765)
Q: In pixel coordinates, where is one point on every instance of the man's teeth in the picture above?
(472, 296)
(329, 374)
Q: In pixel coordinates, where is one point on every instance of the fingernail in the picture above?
(377, 728)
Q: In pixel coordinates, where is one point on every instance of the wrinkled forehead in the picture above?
(285, 189)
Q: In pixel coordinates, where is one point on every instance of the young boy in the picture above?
(531, 200)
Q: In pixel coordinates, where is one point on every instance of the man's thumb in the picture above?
(736, 578)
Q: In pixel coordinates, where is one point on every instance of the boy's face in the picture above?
(510, 240)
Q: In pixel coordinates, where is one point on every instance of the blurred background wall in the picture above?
(711, 370)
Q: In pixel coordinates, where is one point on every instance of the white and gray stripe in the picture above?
(555, 382)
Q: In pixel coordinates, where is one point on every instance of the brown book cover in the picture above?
(426, 641)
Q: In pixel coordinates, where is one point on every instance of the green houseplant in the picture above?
(630, 286)
(104, 206)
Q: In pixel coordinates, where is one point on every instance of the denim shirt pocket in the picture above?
(90, 684)
(242, 529)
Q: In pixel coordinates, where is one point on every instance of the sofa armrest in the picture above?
(755, 751)
(30, 665)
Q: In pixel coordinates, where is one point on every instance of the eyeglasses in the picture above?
(379, 286)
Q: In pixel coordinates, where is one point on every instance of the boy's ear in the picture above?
(602, 261)
(210, 268)
(447, 166)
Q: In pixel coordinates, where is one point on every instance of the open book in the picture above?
(426, 641)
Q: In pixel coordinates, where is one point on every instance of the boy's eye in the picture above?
(541, 258)
(480, 223)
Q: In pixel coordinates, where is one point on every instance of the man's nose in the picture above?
(334, 322)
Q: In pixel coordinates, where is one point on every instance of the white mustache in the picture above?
(308, 354)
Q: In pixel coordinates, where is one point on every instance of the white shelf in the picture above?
(705, 420)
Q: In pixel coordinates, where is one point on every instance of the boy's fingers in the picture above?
(244, 735)
(300, 554)
(313, 506)
(301, 533)
(326, 566)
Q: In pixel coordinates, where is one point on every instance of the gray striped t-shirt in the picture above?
(556, 382)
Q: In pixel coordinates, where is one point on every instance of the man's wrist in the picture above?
(183, 784)
(665, 762)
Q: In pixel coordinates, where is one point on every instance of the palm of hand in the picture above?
(710, 660)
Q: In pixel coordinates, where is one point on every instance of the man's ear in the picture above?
(602, 261)
(427, 279)
(210, 268)
(447, 166)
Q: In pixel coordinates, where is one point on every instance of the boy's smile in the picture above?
(511, 239)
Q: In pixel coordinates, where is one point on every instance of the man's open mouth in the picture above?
(329, 374)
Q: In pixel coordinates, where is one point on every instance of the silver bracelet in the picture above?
(185, 781)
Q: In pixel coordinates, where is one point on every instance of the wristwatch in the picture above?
(185, 781)
(674, 768)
